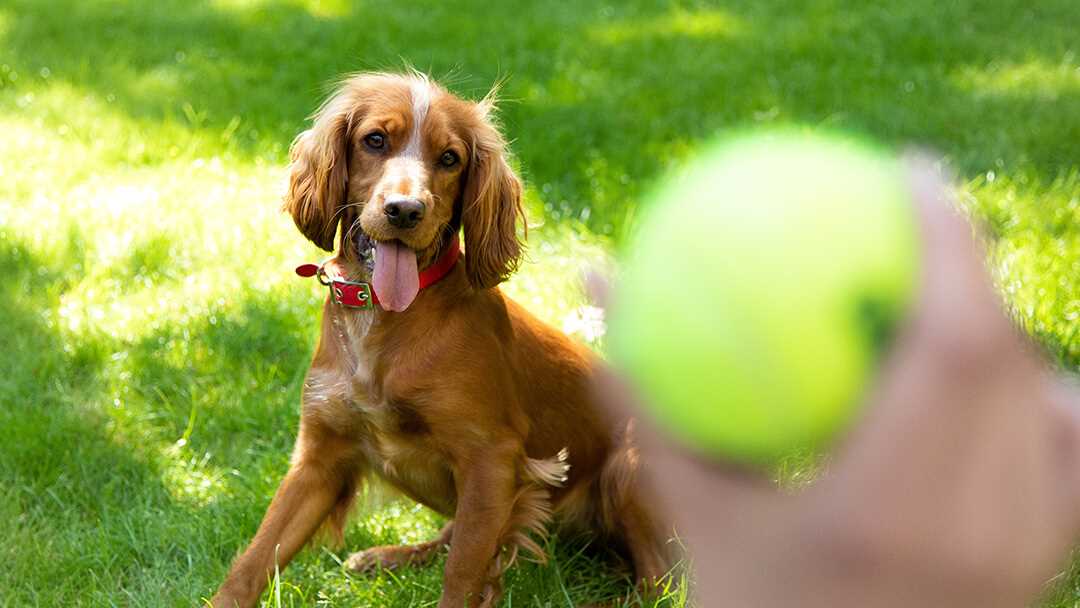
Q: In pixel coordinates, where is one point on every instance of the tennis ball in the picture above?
(761, 290)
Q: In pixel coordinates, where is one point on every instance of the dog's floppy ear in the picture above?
(319, 172)
(491, 206)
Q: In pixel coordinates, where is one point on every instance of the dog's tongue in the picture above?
(395, 277)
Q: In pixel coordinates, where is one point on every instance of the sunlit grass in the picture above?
(694, 24)
(155, 337)
(1035, 78)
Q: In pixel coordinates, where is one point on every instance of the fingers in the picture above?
(964, 329)
(959, 319)
(962, 389)
(941, 355)
(953, 276)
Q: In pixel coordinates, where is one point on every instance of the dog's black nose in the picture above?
(403, 212)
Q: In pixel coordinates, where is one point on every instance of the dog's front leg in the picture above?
(321, 475)
(485, 481)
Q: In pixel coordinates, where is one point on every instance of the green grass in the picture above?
(154, 339)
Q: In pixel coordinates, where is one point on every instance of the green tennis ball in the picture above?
(761, 290)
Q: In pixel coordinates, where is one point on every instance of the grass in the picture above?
(154, 339)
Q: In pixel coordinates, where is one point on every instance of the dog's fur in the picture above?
(465, 402)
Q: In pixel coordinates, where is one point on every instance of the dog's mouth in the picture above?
(394, 272)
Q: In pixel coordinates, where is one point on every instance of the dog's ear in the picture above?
(491, 206)
(319, 171)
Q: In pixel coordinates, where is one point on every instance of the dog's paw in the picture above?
(373, 560)
(391, 557)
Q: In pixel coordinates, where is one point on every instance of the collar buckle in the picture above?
(352, 294)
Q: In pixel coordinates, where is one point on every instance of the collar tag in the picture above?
(308, 270)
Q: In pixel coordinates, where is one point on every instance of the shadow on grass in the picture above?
(238, 373)
(62, 472)
(95, 500)
(602, 97)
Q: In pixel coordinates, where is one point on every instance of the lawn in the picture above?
(154, 338)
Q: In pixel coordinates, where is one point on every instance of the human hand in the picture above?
(959, 487)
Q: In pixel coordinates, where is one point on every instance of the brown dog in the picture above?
(452, 393)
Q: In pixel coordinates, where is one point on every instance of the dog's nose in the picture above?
(403, 212)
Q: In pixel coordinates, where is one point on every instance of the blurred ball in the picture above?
(761, 290)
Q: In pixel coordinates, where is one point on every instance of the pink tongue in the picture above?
(395, 278)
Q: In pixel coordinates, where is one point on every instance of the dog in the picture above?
(425, 374)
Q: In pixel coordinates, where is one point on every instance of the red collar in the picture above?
(358, 294)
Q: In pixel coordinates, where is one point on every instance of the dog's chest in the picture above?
(393, 434)
(401, 451)
(418, 470)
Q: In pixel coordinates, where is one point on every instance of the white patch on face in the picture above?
(421, 101)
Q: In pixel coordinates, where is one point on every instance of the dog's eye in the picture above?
(375, 141)
(448, 158)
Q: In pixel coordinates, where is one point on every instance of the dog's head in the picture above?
(402, 164)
